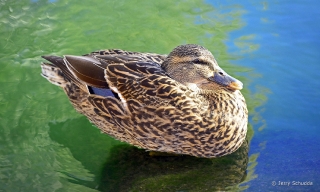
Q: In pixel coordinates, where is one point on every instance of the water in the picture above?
(287, 60)
(272, 46)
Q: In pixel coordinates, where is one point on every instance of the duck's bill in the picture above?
(222, 78)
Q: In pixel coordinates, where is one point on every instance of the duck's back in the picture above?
(122, 56)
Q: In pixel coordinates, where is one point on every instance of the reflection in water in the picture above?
(132, 169)
(128, 168)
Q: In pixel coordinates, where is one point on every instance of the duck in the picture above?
(181, 103)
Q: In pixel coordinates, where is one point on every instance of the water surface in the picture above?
(271, 46)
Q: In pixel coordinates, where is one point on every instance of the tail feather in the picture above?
(53, 74)
(57, 72)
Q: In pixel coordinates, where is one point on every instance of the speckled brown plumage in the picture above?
(183, 103)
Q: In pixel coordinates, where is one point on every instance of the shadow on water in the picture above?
(127, 168)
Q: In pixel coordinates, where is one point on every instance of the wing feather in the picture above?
(152, 113)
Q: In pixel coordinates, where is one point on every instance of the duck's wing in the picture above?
(90, 67)
(156, 111)
(147, 83)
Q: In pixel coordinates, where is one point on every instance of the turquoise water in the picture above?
(288, 60)
(271, 46)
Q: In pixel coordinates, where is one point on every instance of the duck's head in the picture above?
(195, 67)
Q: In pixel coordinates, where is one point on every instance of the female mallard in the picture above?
(183, 103)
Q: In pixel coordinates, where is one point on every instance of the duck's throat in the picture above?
(227, 105)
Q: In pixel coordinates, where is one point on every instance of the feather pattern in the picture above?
(183, 103)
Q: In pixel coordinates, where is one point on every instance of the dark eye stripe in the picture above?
(197, 61)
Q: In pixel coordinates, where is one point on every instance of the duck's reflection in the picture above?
(132, 169)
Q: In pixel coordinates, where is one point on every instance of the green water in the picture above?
(45, 145)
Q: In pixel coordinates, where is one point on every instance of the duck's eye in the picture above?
(198, 61)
